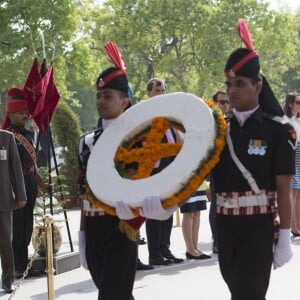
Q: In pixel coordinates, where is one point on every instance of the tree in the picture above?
(66, 127)
(87, 109)
(21, 23)
(187, 41)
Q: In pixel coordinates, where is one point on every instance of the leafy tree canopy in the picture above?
(186, 42)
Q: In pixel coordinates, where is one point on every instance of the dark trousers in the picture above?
(212, 218)
(213, 212)
(158, 237)
(111, 258)
(22, 231)
(245, 245)
(23, 224)
(6, 252)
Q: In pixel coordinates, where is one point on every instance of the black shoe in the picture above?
(174, 259)
(141, 241)
(19, 274)
(215, 249)
(202, 256)
(159, 262)
(34, 272)
(8, 289)
(143, 267)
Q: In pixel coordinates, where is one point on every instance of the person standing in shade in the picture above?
(13, 197)
(292, 111)
(156, 87)
(191, 210)
(14, 121)
(253, 176)
(159, 232)
(222, 101)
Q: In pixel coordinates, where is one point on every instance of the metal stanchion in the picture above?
(177, 217)
(48, 220)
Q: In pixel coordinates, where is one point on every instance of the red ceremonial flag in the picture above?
(43, 69)
(48, 101)
(33, 78)
(41, 88)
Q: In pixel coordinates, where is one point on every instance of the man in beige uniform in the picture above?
(12, 191)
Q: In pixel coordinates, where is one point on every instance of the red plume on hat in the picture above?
(112, 50)
(245, 35)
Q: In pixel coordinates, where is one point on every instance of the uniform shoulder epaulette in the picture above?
(277, 119)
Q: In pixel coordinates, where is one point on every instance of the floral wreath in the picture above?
(150, 150)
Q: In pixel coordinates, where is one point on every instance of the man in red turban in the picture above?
(14, 121)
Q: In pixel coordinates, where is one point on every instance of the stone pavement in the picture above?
(191, 280)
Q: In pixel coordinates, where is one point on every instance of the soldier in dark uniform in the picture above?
(263, 144)
(110, 256)
(107, 244)
(15, 121)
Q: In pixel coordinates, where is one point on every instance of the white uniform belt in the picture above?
(91, 211)
(94, 213)
(242, 201)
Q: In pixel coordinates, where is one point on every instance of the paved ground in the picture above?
(192, 280)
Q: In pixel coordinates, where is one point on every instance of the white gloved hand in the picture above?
(283, 251)
(123, 211)
(152, 209)
(82, 255)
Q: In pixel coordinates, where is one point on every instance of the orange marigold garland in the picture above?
(147, 156)
(206, 165)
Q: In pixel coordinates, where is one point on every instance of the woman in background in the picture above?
(191, 221)
(292, 111)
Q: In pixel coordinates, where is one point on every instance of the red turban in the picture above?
(16, 103)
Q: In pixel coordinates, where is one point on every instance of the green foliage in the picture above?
(25, 19)
(87, 110)
(186, 42)
(66, 127)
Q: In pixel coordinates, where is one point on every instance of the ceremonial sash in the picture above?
(29, 148)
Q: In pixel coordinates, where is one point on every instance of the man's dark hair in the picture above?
(215, 96)
(155, 81)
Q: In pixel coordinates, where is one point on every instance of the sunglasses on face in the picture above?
(223, 102)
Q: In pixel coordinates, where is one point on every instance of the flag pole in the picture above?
(55, 163)
(32, 44)
(54, 48)
(50, 146)
(59, 183)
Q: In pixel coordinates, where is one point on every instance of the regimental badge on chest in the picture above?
(257, 147)
(3, 154)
